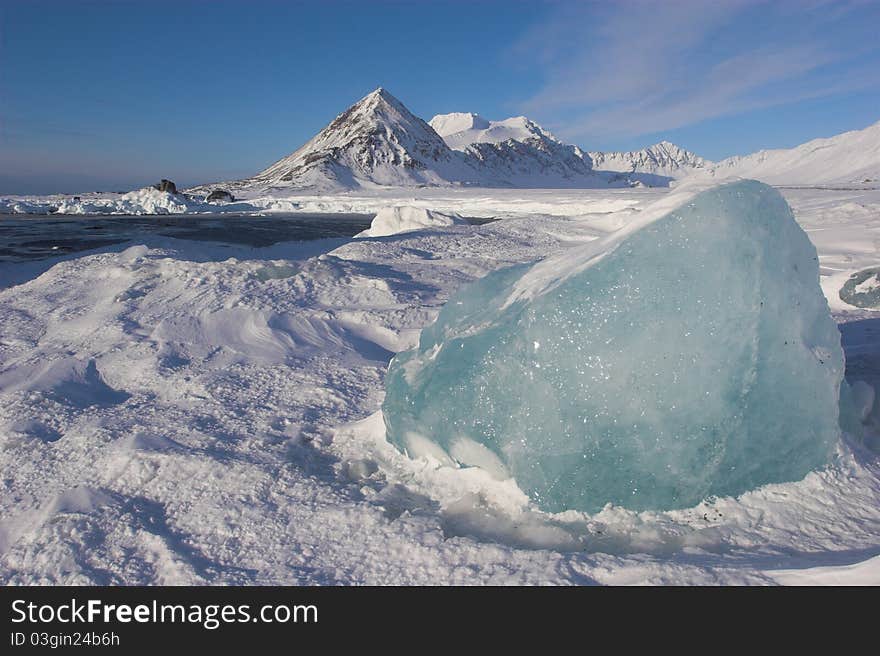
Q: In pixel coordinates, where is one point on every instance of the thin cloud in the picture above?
(637, 67)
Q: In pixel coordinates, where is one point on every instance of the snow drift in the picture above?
(690, 354)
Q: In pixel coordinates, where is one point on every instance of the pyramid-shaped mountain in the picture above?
(378, 142)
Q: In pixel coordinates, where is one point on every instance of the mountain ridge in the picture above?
(663, 158)
(378, 143)
(451, 128)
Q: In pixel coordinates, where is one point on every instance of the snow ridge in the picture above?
(848, 158)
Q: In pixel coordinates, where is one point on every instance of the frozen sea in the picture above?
(197, 402)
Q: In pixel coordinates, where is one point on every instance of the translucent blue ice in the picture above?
(687, 356)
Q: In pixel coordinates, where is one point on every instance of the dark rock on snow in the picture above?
(166, 185)
(220, 195)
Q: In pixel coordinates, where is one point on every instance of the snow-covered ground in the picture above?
(176, 412)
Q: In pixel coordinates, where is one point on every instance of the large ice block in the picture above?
(684, 356)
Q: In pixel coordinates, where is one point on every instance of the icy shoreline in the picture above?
(475, 202)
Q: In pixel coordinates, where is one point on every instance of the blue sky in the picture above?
(116, 94)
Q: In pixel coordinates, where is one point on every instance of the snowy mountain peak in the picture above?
(446, 124)
(655, 165)
(376, 141)
(676, 155)
(518, 151)
(377, 109)
(460, 130)
(661, 158)
(379, 142)
(378, 98)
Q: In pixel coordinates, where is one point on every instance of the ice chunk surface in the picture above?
(393, 220)
(691, 356)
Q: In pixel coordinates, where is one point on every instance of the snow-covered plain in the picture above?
(176, 412)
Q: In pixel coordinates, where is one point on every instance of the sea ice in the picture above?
(690, 354)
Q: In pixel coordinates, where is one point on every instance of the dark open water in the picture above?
(29, 237)
(38, 237)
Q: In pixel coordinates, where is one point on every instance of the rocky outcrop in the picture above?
(220, 196)
(166, 185)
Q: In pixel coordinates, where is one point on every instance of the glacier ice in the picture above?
(689, 354)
